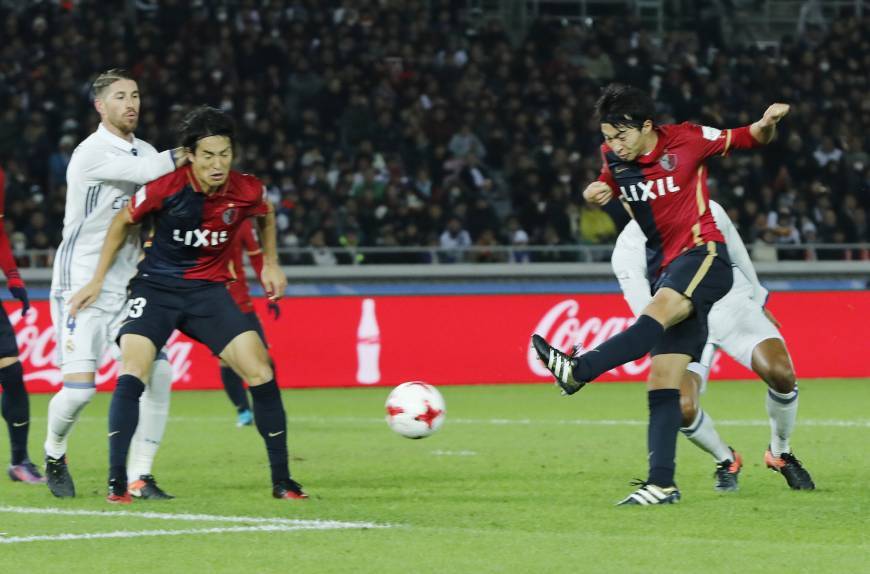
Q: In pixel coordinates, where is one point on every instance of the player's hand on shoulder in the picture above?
(775, 113)
(84, 297)
(274, 281)
(597, 192)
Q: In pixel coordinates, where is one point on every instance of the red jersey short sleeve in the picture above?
(714, 141)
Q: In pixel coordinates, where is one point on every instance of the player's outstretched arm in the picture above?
(135, 169)
(737, 251)
(115, 238)
(764, 129)
(272, 277)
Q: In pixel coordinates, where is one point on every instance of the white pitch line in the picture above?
(834, 423)
(296, 523)
(142, 533)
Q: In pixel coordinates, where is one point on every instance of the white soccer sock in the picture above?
(153, 414)
(782, 411)
(702, 432)
(63, 411)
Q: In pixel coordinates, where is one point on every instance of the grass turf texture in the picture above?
(518, 480)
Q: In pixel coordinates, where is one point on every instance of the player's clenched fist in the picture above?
(774, 113)
(597, 192)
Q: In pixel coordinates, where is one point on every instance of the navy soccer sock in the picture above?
(631, 344)
(235, 389)
(272, 425)
(123, 419)
(665, 418)
(15, 407)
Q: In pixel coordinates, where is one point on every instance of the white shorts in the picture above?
(83, 341)
(738, 325)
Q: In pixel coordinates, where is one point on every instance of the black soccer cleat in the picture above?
(560, 364)
(791, 468)
(649, 494)
(727, 471)
(288, 489)
(146, 488)
(57, 476)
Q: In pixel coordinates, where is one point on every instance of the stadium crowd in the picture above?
(403, 123)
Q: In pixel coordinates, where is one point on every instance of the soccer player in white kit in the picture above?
(104, 172)
(741, 326)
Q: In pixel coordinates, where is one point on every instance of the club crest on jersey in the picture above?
(649, 190)
(229, 215)
(200, 237)
(669, 161)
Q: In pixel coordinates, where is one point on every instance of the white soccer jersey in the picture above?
(103, 173)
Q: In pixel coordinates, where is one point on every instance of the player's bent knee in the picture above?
(781, 377)
(261, 375)
(689, 409)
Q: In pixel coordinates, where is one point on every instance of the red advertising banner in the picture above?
(464, 339)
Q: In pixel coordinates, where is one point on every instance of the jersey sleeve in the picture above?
(714, 141)
(251, 245)
(737, 252)
(97, 164)
(147, 199)
(7, 259)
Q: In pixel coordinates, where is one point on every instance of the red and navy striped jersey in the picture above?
(193, 233)
(238, 286)
(666, 189)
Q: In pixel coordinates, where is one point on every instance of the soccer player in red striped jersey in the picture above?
(14, 402)
(196, 213)
(249, 244)
(658, 173)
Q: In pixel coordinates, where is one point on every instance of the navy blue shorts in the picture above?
(255, 324)
(8, 344)
(703, 274)
(202, 310)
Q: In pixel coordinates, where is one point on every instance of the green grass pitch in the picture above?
(518, 480)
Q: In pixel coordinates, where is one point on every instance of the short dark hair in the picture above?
(203, 122)
(624, 106)
(108, 78)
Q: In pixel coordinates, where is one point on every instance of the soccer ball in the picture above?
(415, 409)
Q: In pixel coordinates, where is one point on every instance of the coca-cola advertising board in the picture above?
(463, 339)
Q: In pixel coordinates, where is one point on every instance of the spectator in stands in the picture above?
(454, 240)
(321, 93)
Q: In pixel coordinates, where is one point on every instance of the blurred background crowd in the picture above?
(414, 123)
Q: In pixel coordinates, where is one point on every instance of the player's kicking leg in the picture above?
(771, 361)
(247, 355)
(698, 427)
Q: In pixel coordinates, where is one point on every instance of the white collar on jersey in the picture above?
(115, 140)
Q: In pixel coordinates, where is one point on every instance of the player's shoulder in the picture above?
(169, 183)
(88, 149)
(142, 145)
(689, 131)
(246, 186)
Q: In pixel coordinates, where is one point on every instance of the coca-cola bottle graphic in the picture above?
(368, 345)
